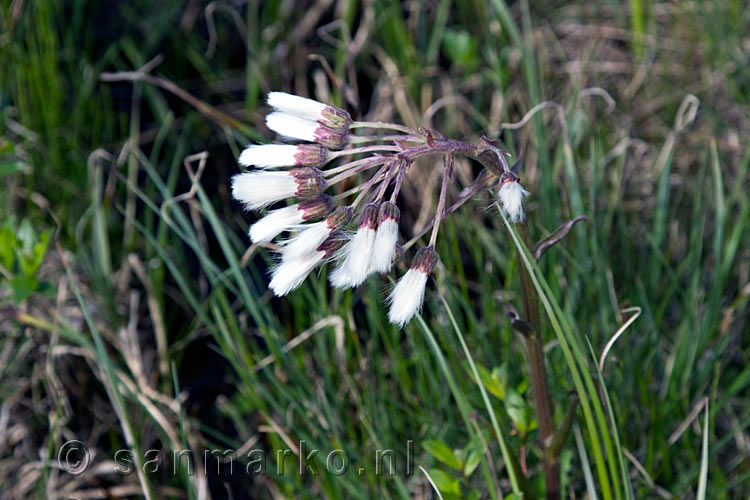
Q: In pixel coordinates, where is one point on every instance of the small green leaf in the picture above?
(496, 382)
(443, 453)
(447, 484)
(22, 287)
(473, 458)
(30, 263)
(520, 412)
(474, 495)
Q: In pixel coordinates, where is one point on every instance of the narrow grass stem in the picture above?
(537, 372)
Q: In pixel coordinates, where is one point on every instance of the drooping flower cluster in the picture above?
(319, 222)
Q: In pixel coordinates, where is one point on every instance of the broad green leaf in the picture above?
(443, 453)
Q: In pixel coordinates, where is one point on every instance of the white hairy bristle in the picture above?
(274, 223)
(258, 189)
(384, 248)
(511, 196)
(291, 272)
(292, 126)
(296, 105)
(306, 241)
(354, 266)
(268, 155)
(406, 297)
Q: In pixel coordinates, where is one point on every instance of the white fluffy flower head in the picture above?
(386, 237)
(283, 155)
(511, 196)
(356, 254)
(296, 105)
(332, 117)
(312, 235)
(369, 171)
(292, 270)
(261, 188)
(284, 219)
(292, 126)
(408, 294)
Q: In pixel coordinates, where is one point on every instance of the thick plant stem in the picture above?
(537, 371)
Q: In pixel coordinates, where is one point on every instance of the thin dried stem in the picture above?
(364, 149)
(359, 139)
(472, 189)
(388, 179)
(399, 181)
(355, 169)
(439, 213)
(385, 126)
(538, 374)
(370, 183)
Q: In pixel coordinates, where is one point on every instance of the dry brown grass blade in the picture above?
(337, 322)
(689, 420)
(160, 334)
(618, 333)
(141, 74)
(556, 236)
(649, 480)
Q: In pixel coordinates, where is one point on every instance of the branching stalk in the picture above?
(537, 372)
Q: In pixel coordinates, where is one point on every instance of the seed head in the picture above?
(408, 294)
(386, 238)
(354, 266)
(511, 196)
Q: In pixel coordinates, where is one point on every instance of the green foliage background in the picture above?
(132, 319)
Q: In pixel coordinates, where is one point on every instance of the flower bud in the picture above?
(332, 245)
(310, 182)
(369, 217)
(317, 208)
(339, 218)
(425, 260)
(332, 138)
(335, 118)
(310, 155)
(389, 210)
